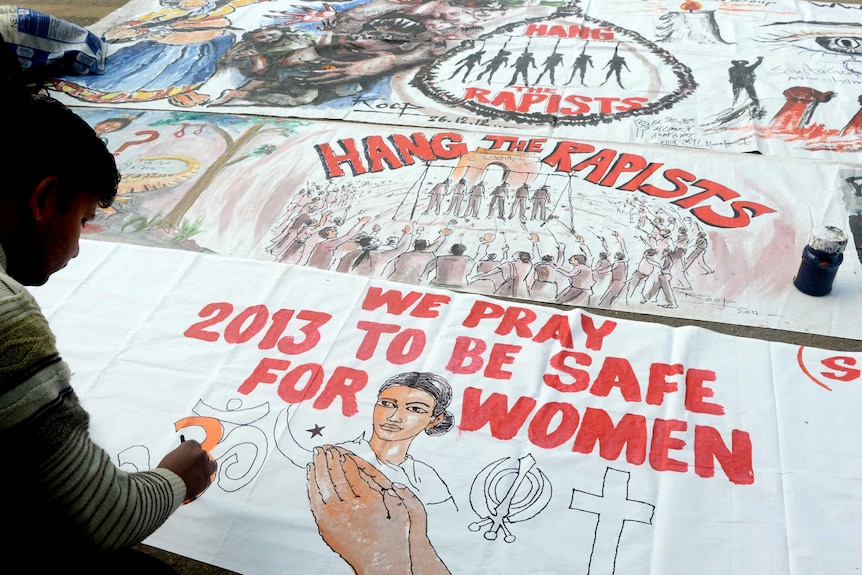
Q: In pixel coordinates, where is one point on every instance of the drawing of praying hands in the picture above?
(365, 524)
(423, 558)
(375, 526)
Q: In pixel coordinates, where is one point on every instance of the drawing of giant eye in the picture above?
(815, 38)
(841, 44)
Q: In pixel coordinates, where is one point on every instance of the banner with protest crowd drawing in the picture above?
(654, 230)
(363, 423)
(781, 77)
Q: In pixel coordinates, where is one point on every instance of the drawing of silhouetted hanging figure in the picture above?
(741, 77)
(550, 64)
(522, 66)
(580, 65)
(615, 66)
(468, 62)
(492, 65)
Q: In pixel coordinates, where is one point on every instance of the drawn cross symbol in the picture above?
(612, 508)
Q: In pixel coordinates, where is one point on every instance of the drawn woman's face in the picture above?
(401, 413)
(108, 126)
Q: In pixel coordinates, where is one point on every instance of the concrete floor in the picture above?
(86, 12)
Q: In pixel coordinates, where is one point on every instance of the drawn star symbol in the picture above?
(316, 430)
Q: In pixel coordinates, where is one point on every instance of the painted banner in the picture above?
(550, 441)
(647, 229)
(781, 77)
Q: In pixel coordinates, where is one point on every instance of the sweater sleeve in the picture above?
(69, 480)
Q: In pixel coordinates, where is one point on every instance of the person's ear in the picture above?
(433, 423)
(43, 200)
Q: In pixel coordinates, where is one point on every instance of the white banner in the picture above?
(578, 444)
(781, 77)
(645, 229)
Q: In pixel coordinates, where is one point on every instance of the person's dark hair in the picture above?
(324, 233)
(366, 244)
(12, 81)
(420, 244)
(458, 249)
(547, 258)
(525, 256)
(435, 386)
(51, 140)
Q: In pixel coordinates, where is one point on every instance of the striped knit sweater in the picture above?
(60, 494)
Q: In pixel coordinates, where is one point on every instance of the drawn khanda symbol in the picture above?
(502, 494)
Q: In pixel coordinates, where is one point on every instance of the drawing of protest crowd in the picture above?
(499, 241)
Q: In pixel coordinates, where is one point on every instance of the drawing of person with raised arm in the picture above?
(368, 260)
(698, 253)
(662, 282)
(408, 266)
(677, 256)
(486, 276)
(646, 266)
(542, 282)
(322, 255)
(619, 274)
(741, 77)
(580, 281)
(451, 270)
(515, 273)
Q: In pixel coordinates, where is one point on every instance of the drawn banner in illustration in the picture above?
(653, 230)
(550, 441)
(781, 77)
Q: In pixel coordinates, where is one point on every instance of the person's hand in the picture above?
(407, 229)
(366, 524)
(194, 466)
(446, 231)
(364, 219)
(423, 557)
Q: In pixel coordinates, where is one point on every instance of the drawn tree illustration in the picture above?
(248, 129)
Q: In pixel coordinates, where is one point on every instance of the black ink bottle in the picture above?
(820, 261)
